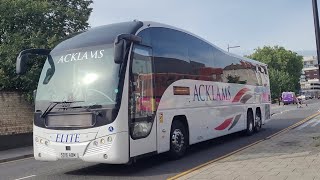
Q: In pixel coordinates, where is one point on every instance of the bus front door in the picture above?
(142, 103)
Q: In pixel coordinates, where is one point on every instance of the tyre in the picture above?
(250, 126)
(258, 122)
(178, 140)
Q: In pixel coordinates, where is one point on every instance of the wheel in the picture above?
(250, 125)
(258, 122)
(178, 140)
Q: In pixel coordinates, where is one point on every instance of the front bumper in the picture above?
(111, 149)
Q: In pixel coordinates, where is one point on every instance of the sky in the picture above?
(245, 23)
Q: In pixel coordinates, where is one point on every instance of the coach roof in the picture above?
(107, 33)
(149, 24)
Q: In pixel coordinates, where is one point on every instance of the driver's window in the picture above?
(142, 100)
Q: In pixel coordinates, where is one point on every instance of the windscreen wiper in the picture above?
(54, 104)
(87, 108)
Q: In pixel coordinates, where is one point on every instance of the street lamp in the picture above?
(229, 47)
(316, 28)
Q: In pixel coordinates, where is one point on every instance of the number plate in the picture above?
(69, 155)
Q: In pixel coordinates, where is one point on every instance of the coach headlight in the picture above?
(141, 129)
(102, 141)
(40, 140)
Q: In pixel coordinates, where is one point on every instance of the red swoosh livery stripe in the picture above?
(224, 125)
(240, 94)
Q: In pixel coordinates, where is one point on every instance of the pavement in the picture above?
(294, 154)
(15, 154)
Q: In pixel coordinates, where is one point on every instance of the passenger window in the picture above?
(170, 49)
(201, 59)
(170, 57)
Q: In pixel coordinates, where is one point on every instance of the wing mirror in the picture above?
(22, 59)
(21, 63)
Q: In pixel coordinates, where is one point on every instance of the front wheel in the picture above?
(178, 140)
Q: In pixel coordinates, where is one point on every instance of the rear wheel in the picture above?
(258, 122)
(178, 140)
(250, 124)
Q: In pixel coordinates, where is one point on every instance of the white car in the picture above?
(308, 96)
(302, 97)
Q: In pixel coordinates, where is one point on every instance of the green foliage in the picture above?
(279, 81)
(284, 68)
(35, 24)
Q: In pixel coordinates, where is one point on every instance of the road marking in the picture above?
(306, 124)
(293, 126)
(316, 123)
(16, 160)
(243, 148)
(26, 177)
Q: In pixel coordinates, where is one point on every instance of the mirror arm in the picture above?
(128, 37)
(43, 52)
(120, 45)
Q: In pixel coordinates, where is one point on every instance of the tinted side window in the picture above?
(170, 58)
(233, 69)
(201, 59)
(251, 73)
(146, 37)
(170, 51)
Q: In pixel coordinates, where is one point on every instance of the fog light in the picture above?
(105, 156)
(95, 143)
(102, 141)
(39, 155)
(41, 141)
(46, 143)
(109, 139)
(36, 139)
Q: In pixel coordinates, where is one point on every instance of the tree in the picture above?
(35, 24)
(279, 81)
(284, 66)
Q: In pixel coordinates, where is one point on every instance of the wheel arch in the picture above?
(184, 121)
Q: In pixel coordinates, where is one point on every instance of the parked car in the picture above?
(288, 98)
(308, 96)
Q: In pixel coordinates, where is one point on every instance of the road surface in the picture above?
(156, 167)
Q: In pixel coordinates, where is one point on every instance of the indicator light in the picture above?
(109, 139)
